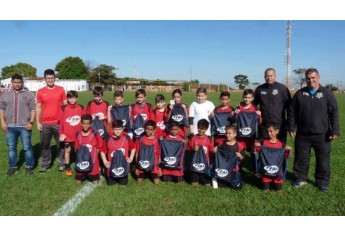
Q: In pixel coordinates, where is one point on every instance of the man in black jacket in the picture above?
(314, 111)
(273, 99)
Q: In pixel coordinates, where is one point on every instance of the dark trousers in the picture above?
(322, 148)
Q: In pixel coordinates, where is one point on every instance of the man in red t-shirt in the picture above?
(49, 100)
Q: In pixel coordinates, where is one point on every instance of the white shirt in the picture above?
(201, 111)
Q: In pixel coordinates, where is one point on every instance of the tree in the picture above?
(71, 68)
(103, 74)
(300, 80)
(20, 68)
(331, 87)
(241, 80)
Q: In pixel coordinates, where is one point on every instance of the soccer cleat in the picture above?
(323, 188)
(28, 171)
(44, 170)
(11, 171)
(61, 169)
(299, 183)
(68, 172)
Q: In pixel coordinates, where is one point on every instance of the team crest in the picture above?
(275, 91)
(319, 95)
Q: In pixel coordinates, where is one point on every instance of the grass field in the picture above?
(43, 195)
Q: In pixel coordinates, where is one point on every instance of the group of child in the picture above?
(155, 142)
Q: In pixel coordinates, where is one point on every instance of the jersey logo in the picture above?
(319, 95)
(271, 169)
(161, 125)
(222, 172)
(263, 92)
(124, 123)
(275, 91)
(118, 171)
(120, 149)
(101, 131)
(205, 149)
(89, 147)
(170, 160)
(74, 120)
(100, 115)
(221, 130)
(305, 94)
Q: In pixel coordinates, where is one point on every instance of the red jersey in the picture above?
(144, 109)
(160, 119)
(123, 143)
(220, 138)
(203, 142)
(169, 171)
(95, 143)
(70, 118)
(98, 109)
(157, 151)
(51, 101)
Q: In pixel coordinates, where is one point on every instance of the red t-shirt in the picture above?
(204, 142)
(94, 142)
(169, 171)
(157, 151)
(70, 117)
(160, 119)
(98, 109)
(220, 138)
(145, 109)
(51, 101)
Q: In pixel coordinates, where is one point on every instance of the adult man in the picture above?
(273, 99)
(49, 102)
(17, 114)
(314, 111)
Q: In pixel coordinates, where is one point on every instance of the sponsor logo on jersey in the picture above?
(144, 116)
(275, 91)
(74, 120)
(222, 172)
(100, 115)
(101, 132)
(118, 171)
(221, 130)
(177, 118)
(139, 131)
(121, 149)
(83, 165)
(246, 130)
(144, 164)
(271, 169)
(319, 95)
(161, 125)
(170, 160)
(199, 166)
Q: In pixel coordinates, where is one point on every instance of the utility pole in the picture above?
(99, 78)
(288, 55)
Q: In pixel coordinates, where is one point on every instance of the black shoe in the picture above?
(44, 170)
(61, 169)
(28, 171)
(11, 171)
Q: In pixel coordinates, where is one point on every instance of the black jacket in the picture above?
(274, 101)
(314, 114)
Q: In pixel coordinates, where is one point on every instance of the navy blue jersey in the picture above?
(98, 125)
(121, 113)
(272, 161)
(247, 123)
(172, 154)
(219, 121)
(146, 157)
(223, 167)
(138, 126)
(179, 115)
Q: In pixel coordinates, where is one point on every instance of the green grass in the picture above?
(44, 194)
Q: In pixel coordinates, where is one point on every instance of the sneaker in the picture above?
(299, 183)
(44, 170)
(61, 169)
(11, 171)
(28, 171)
(323, 188)
(68, 172)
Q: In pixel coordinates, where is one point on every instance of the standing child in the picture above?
(201, 146)
(140, 113)
(70, 117)
(148, 155)
(178, 111)
(172, 166)
(119, 112)
(222, 116)
(272, 130)
(230, 147)
(93, 141)
(118, 142)
(200, 109)
(159, 115)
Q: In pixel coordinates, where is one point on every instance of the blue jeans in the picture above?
(12, 135)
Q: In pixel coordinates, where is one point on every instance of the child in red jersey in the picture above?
(148, 155)
(98, 107)
(183, 121)
(118, 141)
(233, 146)
(116, 112)
(94, 142)
(224, 107)
(201, 141)
(159, 115)
(142, 108)
(247, 106)
(174, 175)
(70, 117)
(272, 142)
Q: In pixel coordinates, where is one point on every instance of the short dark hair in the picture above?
(150, 123)
(176, 91)
(159, 98)
(203, 124)
(118, 93)
(140, 91)
(248, 91)
(86, 117)
(273, 125)
(97, 90)
(49, 72)
(224, 94)
(174, 123)
(72, 93)
(270, 69)
(201, 90)
(17, 76)
(231, 127)
(117, 124)
(310, 70)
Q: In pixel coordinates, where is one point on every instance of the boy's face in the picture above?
(201, 131)
(201, 97)
(86, 124)
(224, 101)
(141, 98)
(174, 130)
(230, 134)
(272, 133)
(160, 104)
(177, 98)
(149, 131)
(118, 101)
(248, 99)
(97, 98)
(117, 131)
(72, 100)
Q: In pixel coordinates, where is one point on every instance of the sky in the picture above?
(209, 51)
